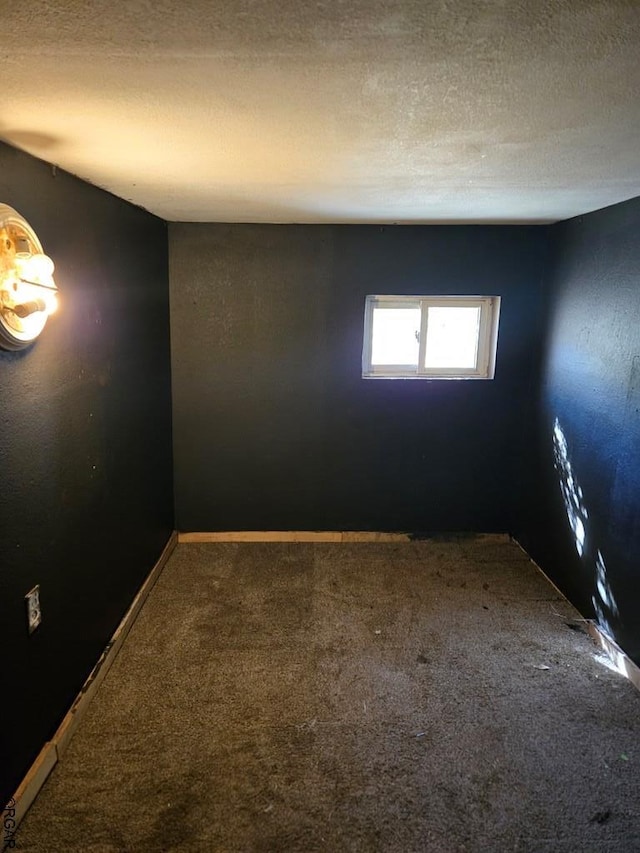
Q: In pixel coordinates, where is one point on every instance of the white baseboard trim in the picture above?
(54, 749)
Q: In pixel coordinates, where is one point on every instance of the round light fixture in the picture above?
(28, 293)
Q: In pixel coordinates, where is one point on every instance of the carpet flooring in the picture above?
(437, 695)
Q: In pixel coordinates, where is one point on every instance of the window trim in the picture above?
(487, 339)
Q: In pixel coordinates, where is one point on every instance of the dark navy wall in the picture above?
(85, 447)
(274, 428)
(582, 518)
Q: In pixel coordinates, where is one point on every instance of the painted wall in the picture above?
(274, 428)
(582, 517)
(86, 500)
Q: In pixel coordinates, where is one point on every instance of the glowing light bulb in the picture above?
(39, 269)
(28, 292)
(51, 301)
(35, 288)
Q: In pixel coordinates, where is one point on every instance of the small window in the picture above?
(430, 337)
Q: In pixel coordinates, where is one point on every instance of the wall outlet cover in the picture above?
(34, 614)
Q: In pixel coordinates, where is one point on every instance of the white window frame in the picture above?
(487, 338)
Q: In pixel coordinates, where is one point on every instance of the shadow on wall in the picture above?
(602, 599)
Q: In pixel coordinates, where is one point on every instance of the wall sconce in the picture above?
(28, 293)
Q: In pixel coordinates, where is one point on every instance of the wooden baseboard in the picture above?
(54, 749)
(318, 536)
(93, 682)
(619, 659)
(293, 536)
(542, 572)
(30, 786)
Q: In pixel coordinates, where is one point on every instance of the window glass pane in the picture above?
(395, 335)
(452, 337)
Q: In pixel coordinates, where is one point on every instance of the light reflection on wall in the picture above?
(604, 602)
(603, 599)
(571, 491)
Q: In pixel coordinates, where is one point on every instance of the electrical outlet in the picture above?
(34, 614)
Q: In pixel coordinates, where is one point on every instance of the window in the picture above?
(430, 337)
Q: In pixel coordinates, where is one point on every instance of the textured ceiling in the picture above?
(354, 111)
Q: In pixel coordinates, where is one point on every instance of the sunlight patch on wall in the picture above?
(603, 600)
(571, 491)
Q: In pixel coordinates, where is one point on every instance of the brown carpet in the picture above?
(431, 696)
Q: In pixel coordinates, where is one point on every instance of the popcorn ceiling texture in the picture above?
(363, 111)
